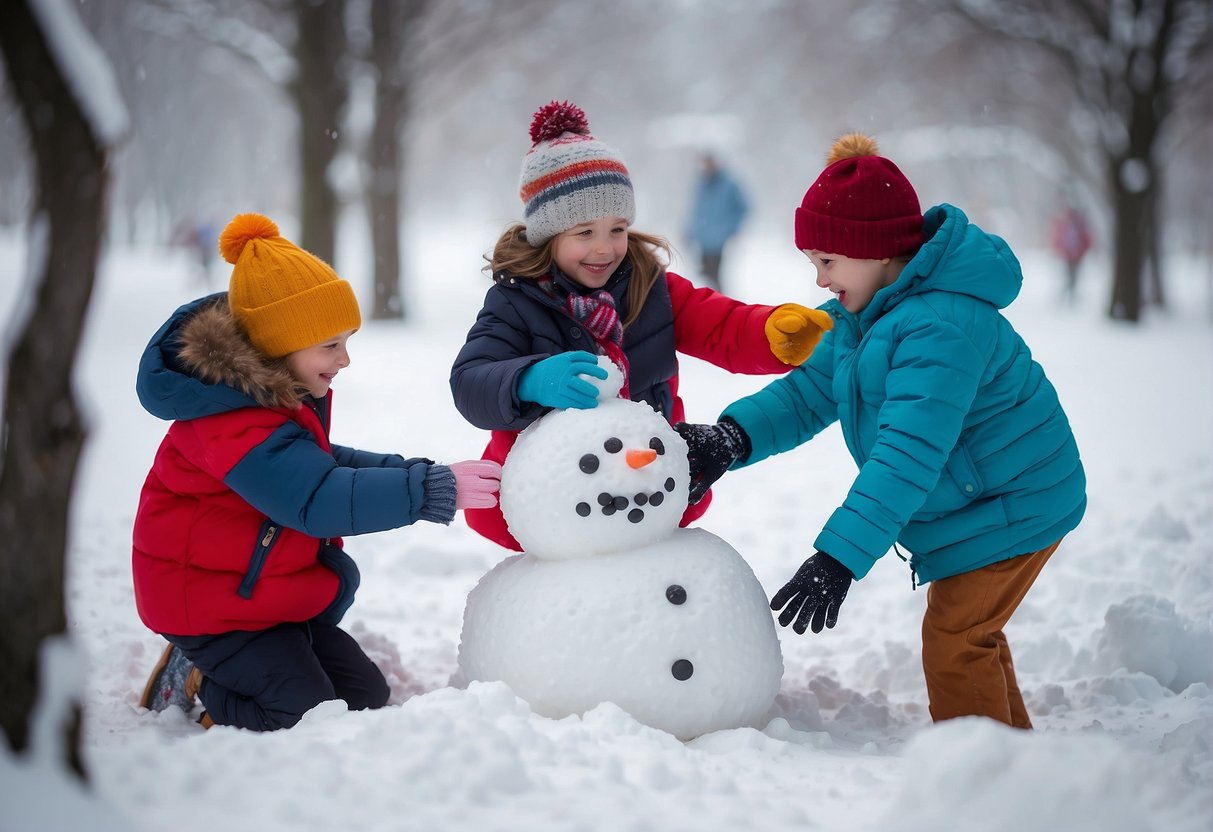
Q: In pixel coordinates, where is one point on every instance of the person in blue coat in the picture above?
(966, 458)
(718, 209)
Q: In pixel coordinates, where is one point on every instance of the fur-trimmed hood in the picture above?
(200, 363)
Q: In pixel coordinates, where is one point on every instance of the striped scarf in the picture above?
(596, 313)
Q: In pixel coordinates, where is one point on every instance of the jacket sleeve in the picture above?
(720, 330)
(485, 375)
(791, 410)
(355, 458)
(933, 378)
(275, 465)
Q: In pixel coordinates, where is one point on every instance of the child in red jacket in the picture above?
(575, 281)
(237, 556)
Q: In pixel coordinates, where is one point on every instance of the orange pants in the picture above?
(965, 656)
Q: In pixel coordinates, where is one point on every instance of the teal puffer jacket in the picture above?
(965, 455)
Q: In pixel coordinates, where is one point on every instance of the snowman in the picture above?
(611, 601)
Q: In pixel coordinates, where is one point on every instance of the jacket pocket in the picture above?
(266, 538)
(959, 485)
(335, 558)
(963, 472)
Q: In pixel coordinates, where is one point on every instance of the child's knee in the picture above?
(292, 700)
(373, 694)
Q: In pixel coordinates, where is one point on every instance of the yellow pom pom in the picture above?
(850, 146)
(240, 230)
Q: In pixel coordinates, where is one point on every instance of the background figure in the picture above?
(717, 211)
(201, 238)
(1071, 241)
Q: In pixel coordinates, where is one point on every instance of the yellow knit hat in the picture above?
(284, 298)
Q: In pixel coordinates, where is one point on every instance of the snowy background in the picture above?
(1113, 646)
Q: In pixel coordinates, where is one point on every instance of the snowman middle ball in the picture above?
(579, 483)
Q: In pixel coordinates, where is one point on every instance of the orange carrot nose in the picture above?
(639, 459)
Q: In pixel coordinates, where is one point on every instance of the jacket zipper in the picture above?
(265, 539)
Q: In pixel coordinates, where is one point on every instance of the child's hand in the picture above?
(477, 482)
(794, 330)
(711, 450)
(815, 592)
(557, 381)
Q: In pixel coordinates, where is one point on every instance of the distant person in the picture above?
(1071, 241)
(718, 209)
(574, 281)
(966, 458)
(238, 560)
(201, 239)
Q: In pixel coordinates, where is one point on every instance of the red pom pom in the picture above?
(558, 117)
(240, 230)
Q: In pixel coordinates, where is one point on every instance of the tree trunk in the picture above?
(320, 94)
(1129, 246)
(1155, 295)
(42, 431)
(391, 22)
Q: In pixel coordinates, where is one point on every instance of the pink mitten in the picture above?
(477, 482)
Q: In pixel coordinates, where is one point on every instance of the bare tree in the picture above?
(320, 90)
(58, 75)
(415, 43)
(392, 23)
(299, 46)
(1129, 65)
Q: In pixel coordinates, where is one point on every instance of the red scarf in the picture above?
(596, 313)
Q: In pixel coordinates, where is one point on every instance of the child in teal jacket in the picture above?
(966, 458)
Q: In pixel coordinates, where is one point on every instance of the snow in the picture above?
(1113, 645)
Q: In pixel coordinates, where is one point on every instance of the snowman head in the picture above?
(579, 483)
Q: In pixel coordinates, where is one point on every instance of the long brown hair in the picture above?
(515, 257)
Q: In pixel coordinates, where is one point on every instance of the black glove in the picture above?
(711, 450)
(816, 591)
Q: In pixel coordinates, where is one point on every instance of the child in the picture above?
(237, 550)
(965, 456)
(575, 281)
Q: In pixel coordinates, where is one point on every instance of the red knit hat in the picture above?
(861, 206)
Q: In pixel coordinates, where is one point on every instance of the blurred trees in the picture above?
(1127, 66)
(73, 116)
(984, 104)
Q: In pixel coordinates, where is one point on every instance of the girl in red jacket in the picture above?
(237, 556)
(575, 281)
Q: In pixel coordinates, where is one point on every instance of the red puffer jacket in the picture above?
(241, 516)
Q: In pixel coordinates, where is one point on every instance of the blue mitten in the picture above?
(557, 381)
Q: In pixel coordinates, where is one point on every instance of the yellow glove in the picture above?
(794, 330)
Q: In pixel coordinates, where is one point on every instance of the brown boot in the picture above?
(174, 681)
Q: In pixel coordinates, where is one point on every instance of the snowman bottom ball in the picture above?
(677, 633)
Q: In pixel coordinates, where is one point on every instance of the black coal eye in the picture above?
(682, 670)
(657, 445)
(675, 594)
(583, 509)
(588, 463)
(612, 445)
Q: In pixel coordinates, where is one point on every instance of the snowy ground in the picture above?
(1113, 646)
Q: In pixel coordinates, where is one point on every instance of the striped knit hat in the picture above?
(569, 177)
